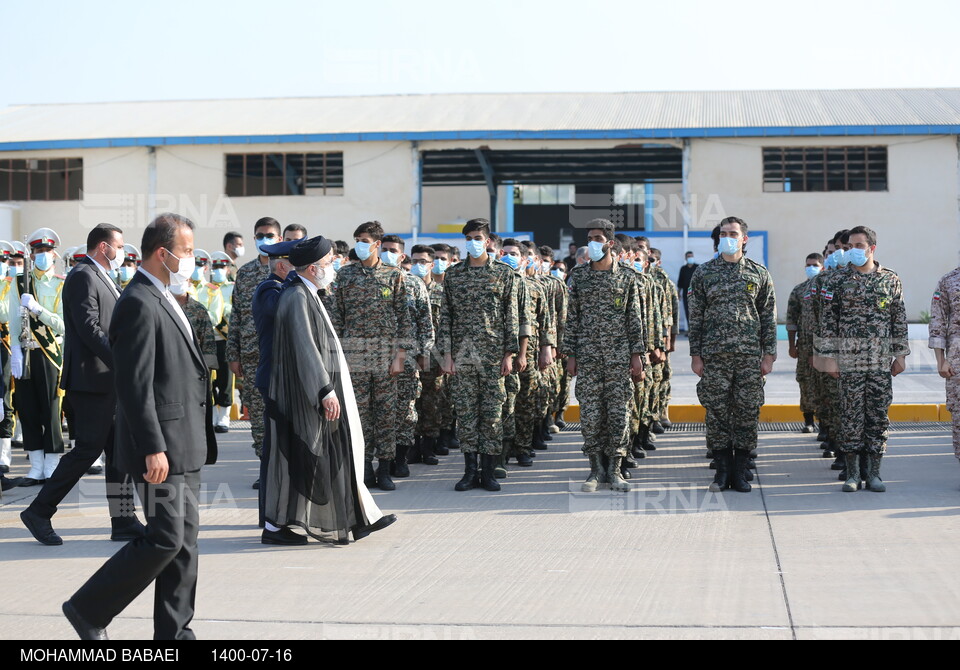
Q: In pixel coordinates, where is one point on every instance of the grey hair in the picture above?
(582, 253)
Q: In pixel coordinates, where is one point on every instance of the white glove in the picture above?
(16, 361)
(31, 304)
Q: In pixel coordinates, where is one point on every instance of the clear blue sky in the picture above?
(60, 51)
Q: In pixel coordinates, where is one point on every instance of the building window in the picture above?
(284, 174)
(790, 169)
(629, 194)
(545, 194)
(41, 179)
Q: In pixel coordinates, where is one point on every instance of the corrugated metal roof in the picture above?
(426, 116)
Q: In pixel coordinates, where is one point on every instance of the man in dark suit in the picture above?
(89, 296)
(162, 398)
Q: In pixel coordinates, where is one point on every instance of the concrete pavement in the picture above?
(797, 558)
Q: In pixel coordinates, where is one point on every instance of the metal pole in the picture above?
(686, 193)
(416, 209)
(151, 183)
(509, 224)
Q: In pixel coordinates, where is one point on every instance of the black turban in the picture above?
(310, 251)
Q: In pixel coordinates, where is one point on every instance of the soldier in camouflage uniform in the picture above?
(945, 342)
(243, 353)
(733, 345)
(800, 336)
(671, 302)
(371, 315)
(432, 416)
(605, 342)
(863, 327)
(444, 256)
(479, 337)
(420, 345)
(511, 383)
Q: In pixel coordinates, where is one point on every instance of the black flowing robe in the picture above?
(315, 471)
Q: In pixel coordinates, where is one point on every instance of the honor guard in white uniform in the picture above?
(217, 296)
(131, 261)
(201, 263)
(36, 337)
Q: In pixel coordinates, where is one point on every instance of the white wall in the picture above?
(916, 220)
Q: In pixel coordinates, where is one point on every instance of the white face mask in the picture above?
(117, 260)
(178, 289)
(238, 252)
(182, 275)
(324, 276)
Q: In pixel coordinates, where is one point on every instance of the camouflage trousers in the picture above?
(530, 408)
(809, 384)
(654, 384)
(953, 406)
(379, 406)
(433, 405)
(508, 416)
(731, 390)
(477, 395)
(251, 399)
(408, 390)
(828, 404)
(663, 399)
(605, 392)
(563, 387)
(549, 388)
(865, 399)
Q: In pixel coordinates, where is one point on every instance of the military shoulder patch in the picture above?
(386, 293)
(936, 296)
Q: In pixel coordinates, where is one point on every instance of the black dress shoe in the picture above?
(283, 537)
(360, 532)
(27, 482)
(127, 530)
(7, 484)
(256, 485)
(40, 528)
(85, 629)
(221, 429)
(95, 470)
(4, 469)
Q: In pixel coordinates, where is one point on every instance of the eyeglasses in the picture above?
(266, 236)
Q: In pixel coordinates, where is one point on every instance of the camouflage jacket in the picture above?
(480, 314)
(604, 316)
(863, 319)
(799, 314)
(199, 319)
(671, 300)
(649, 297)
(242, 332)
(945, 314)
(421, 316)
(733, 309)
(540, 319)
(372, 304)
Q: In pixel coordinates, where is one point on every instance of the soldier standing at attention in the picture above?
(131, 261)
(663, 372)
(945, 342)
(443, 259)
(217, 296)
(432, 417)
(243, 352)
(420, 345)
(863, 344)
(605, 343)
(801, 340)
(733, 345)
(479, 336)
(233, 247)
(371, 314)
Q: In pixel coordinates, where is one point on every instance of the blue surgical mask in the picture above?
(812, 271)
(337, 264)
(597, 251)
(843, 259)
(419, 270)
(638, 266)
(858, 257)
(218, 276)
(558, 274)
(391, 258)
(439, 267)
(830, 263)
(476, 248)
(265, 242)
(126, 273)
(197, 275)
(512, 261)
(729, 245)
(43, 261)
(691, 261)
(363, 249)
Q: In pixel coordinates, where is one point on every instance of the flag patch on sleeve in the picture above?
(936, 296)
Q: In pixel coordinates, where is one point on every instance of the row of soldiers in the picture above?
(453, 353)
(847, 328)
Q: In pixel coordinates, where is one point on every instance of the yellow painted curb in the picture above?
(790, 413)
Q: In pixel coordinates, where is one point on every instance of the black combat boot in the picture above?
(500, 462)
(545, 430)
(538, 442)
(487, 478)
(441, 445)
(656, 428)
(629, 463)
(649, 439)
(471, 477)
(808, 426)
(524, 460)
(399, 467)
(558, 421)
(426, 451)
(666, 423)
(724, 462)
(824, 434)
(415, 455)
(637, 446)
(738, 480)
(454, 440)
(384, 482)
(838, 463)
(369, 478)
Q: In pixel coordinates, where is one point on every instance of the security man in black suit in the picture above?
(162, 403)
(89, 296)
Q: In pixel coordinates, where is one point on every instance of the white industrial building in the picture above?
(796, 165)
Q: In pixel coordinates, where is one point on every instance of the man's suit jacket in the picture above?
(88, 302)
(161, 381)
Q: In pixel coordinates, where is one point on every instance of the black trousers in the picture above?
(223, 384)
(7, 425)
(264, 462)
(93, 426)
(167, 556)
(38, 406)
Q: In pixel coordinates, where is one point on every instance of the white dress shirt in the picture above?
(314, 291)
(106, 276)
